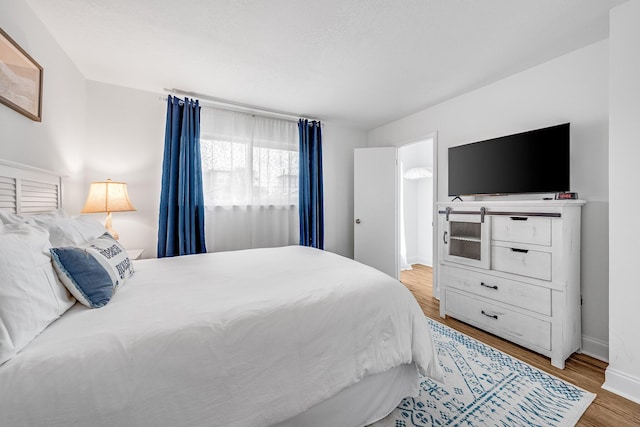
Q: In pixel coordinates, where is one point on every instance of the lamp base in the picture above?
(107, 225)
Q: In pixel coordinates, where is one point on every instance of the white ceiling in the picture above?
(361, 62)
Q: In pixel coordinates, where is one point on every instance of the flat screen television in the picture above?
(535, 161)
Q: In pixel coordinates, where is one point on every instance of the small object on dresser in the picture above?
(566, 196)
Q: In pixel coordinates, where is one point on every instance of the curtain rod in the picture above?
(236, 106)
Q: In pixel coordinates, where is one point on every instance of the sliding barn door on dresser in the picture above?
(513, 269)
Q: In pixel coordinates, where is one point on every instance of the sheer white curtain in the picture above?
(250, 180)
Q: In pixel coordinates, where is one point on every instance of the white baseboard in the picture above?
(418, 260)
(595, 348)
(622, 384)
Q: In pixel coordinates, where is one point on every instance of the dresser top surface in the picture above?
(513, 203)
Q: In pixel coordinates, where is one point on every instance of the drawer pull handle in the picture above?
(519, 218)
(489, 286)
(493, 316)
(523, 251)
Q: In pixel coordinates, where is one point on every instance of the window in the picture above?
(248, 160)
(250, 180)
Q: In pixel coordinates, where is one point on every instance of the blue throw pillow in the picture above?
(94, 271)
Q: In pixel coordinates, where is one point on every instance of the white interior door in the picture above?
(375, 208)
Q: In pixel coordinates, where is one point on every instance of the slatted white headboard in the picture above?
(27, 190)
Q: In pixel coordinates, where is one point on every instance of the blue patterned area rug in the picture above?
(486, 387)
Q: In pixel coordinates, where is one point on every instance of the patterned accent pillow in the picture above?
(94, 271)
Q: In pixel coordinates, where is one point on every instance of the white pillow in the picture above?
(31, 296)
(11, 218)
(94, 271)
(66, 231)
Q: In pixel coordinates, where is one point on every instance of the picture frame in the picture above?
(21, 79)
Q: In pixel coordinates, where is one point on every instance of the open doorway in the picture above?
(416, 208)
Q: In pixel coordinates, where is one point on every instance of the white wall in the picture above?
(623, 373)
(56, 143)
(126, 141)
(338, 143)
(418, 203)
(425, 221)
(572, 88)
(410, 204)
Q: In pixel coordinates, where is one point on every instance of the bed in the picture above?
(290, 336)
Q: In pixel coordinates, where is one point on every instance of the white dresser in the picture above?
(512, 268)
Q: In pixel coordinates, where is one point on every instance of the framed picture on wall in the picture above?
(20, 79)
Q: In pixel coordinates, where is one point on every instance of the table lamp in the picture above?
(108, 196)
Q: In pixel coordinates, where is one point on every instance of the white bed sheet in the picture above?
(369, 400)
(244, 338)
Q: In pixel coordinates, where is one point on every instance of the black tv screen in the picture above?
(536, 161)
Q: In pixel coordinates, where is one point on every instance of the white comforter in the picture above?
(246, 338)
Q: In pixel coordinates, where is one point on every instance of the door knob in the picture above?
(358, 221)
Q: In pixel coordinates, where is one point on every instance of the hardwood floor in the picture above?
(608, 409)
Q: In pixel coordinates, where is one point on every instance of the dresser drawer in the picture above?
(522, 229)
(509, 324)
(519, 294)
(524, 262)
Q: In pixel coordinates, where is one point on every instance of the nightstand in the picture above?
(135, 253)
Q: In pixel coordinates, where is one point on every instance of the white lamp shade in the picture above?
(108, 196)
